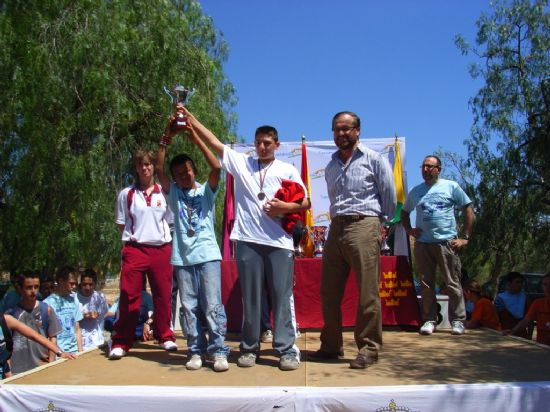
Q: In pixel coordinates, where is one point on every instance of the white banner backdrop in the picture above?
(319, 154)
(509, 397)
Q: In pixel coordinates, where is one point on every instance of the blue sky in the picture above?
(296, 63)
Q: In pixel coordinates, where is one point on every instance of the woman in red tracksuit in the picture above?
(141, 215)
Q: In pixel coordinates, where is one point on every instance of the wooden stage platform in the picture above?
(479, 356)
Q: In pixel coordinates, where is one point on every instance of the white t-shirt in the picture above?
(146, 222)
(252, 224)
(92, 329)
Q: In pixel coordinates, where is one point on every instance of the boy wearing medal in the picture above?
(196, 255)
(264, 250)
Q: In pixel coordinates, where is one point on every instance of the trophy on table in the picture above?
(319, 238)
(385, 249)
(179, 95)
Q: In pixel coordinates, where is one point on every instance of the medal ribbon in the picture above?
(262, 177)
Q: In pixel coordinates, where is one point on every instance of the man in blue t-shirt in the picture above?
(437, 242)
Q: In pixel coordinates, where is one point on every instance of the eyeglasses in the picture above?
(429, 167)
(344, 129)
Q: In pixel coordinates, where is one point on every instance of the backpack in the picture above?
(44, 317)
(6, 341)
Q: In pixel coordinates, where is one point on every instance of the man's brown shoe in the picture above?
(323, 355)
(362, 361)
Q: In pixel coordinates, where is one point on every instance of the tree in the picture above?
(81, 91)
(508, 158)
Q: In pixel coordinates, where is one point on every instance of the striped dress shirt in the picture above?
(362, 186)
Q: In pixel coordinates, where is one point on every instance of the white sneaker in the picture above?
(194, 363)
(457, 327)
(267, 336)
(247, 360)
(220, 363)
(427, 328)
(169, 346)
(116, 353)
(289, 363)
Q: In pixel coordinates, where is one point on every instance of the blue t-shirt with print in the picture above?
(435, 209)
(193, 210)
(68, 312)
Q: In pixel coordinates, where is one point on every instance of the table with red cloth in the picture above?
(399, 302)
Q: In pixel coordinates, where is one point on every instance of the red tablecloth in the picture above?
(399, 302)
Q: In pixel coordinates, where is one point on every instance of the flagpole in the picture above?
(227, 247)
(307, 215)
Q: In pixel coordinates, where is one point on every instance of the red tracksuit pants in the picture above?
(137, 261)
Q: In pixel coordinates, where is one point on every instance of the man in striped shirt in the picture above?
(362, 195)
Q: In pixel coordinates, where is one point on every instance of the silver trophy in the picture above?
(319, 238)
(179, 95)
(385, 249)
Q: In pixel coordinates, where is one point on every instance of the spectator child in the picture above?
(47, 287)
(144, 326)
(11, 297)
(512, 304)
(484, 314)
(8, 324)
(538, 312)
(65, 304)
(38, 316)
(93, 306)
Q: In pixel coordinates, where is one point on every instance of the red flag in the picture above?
(228, 218)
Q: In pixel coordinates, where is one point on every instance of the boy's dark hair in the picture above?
(88, 273)
(268, 130)
(182, 159)
(511, 276)
(63, 273)
(27, 274)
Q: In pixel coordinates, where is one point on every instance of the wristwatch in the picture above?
(58, 353)
(466, 237)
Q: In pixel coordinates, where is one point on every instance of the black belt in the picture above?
(348, 218)
(137, 244)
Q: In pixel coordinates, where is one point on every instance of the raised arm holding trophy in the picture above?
(196, 255)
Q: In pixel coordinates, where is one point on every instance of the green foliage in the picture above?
(506, 171)
(81, 91)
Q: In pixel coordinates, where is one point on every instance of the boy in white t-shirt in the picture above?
(93, 306)
(264, 250)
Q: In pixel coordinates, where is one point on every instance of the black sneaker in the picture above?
(324, 355)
